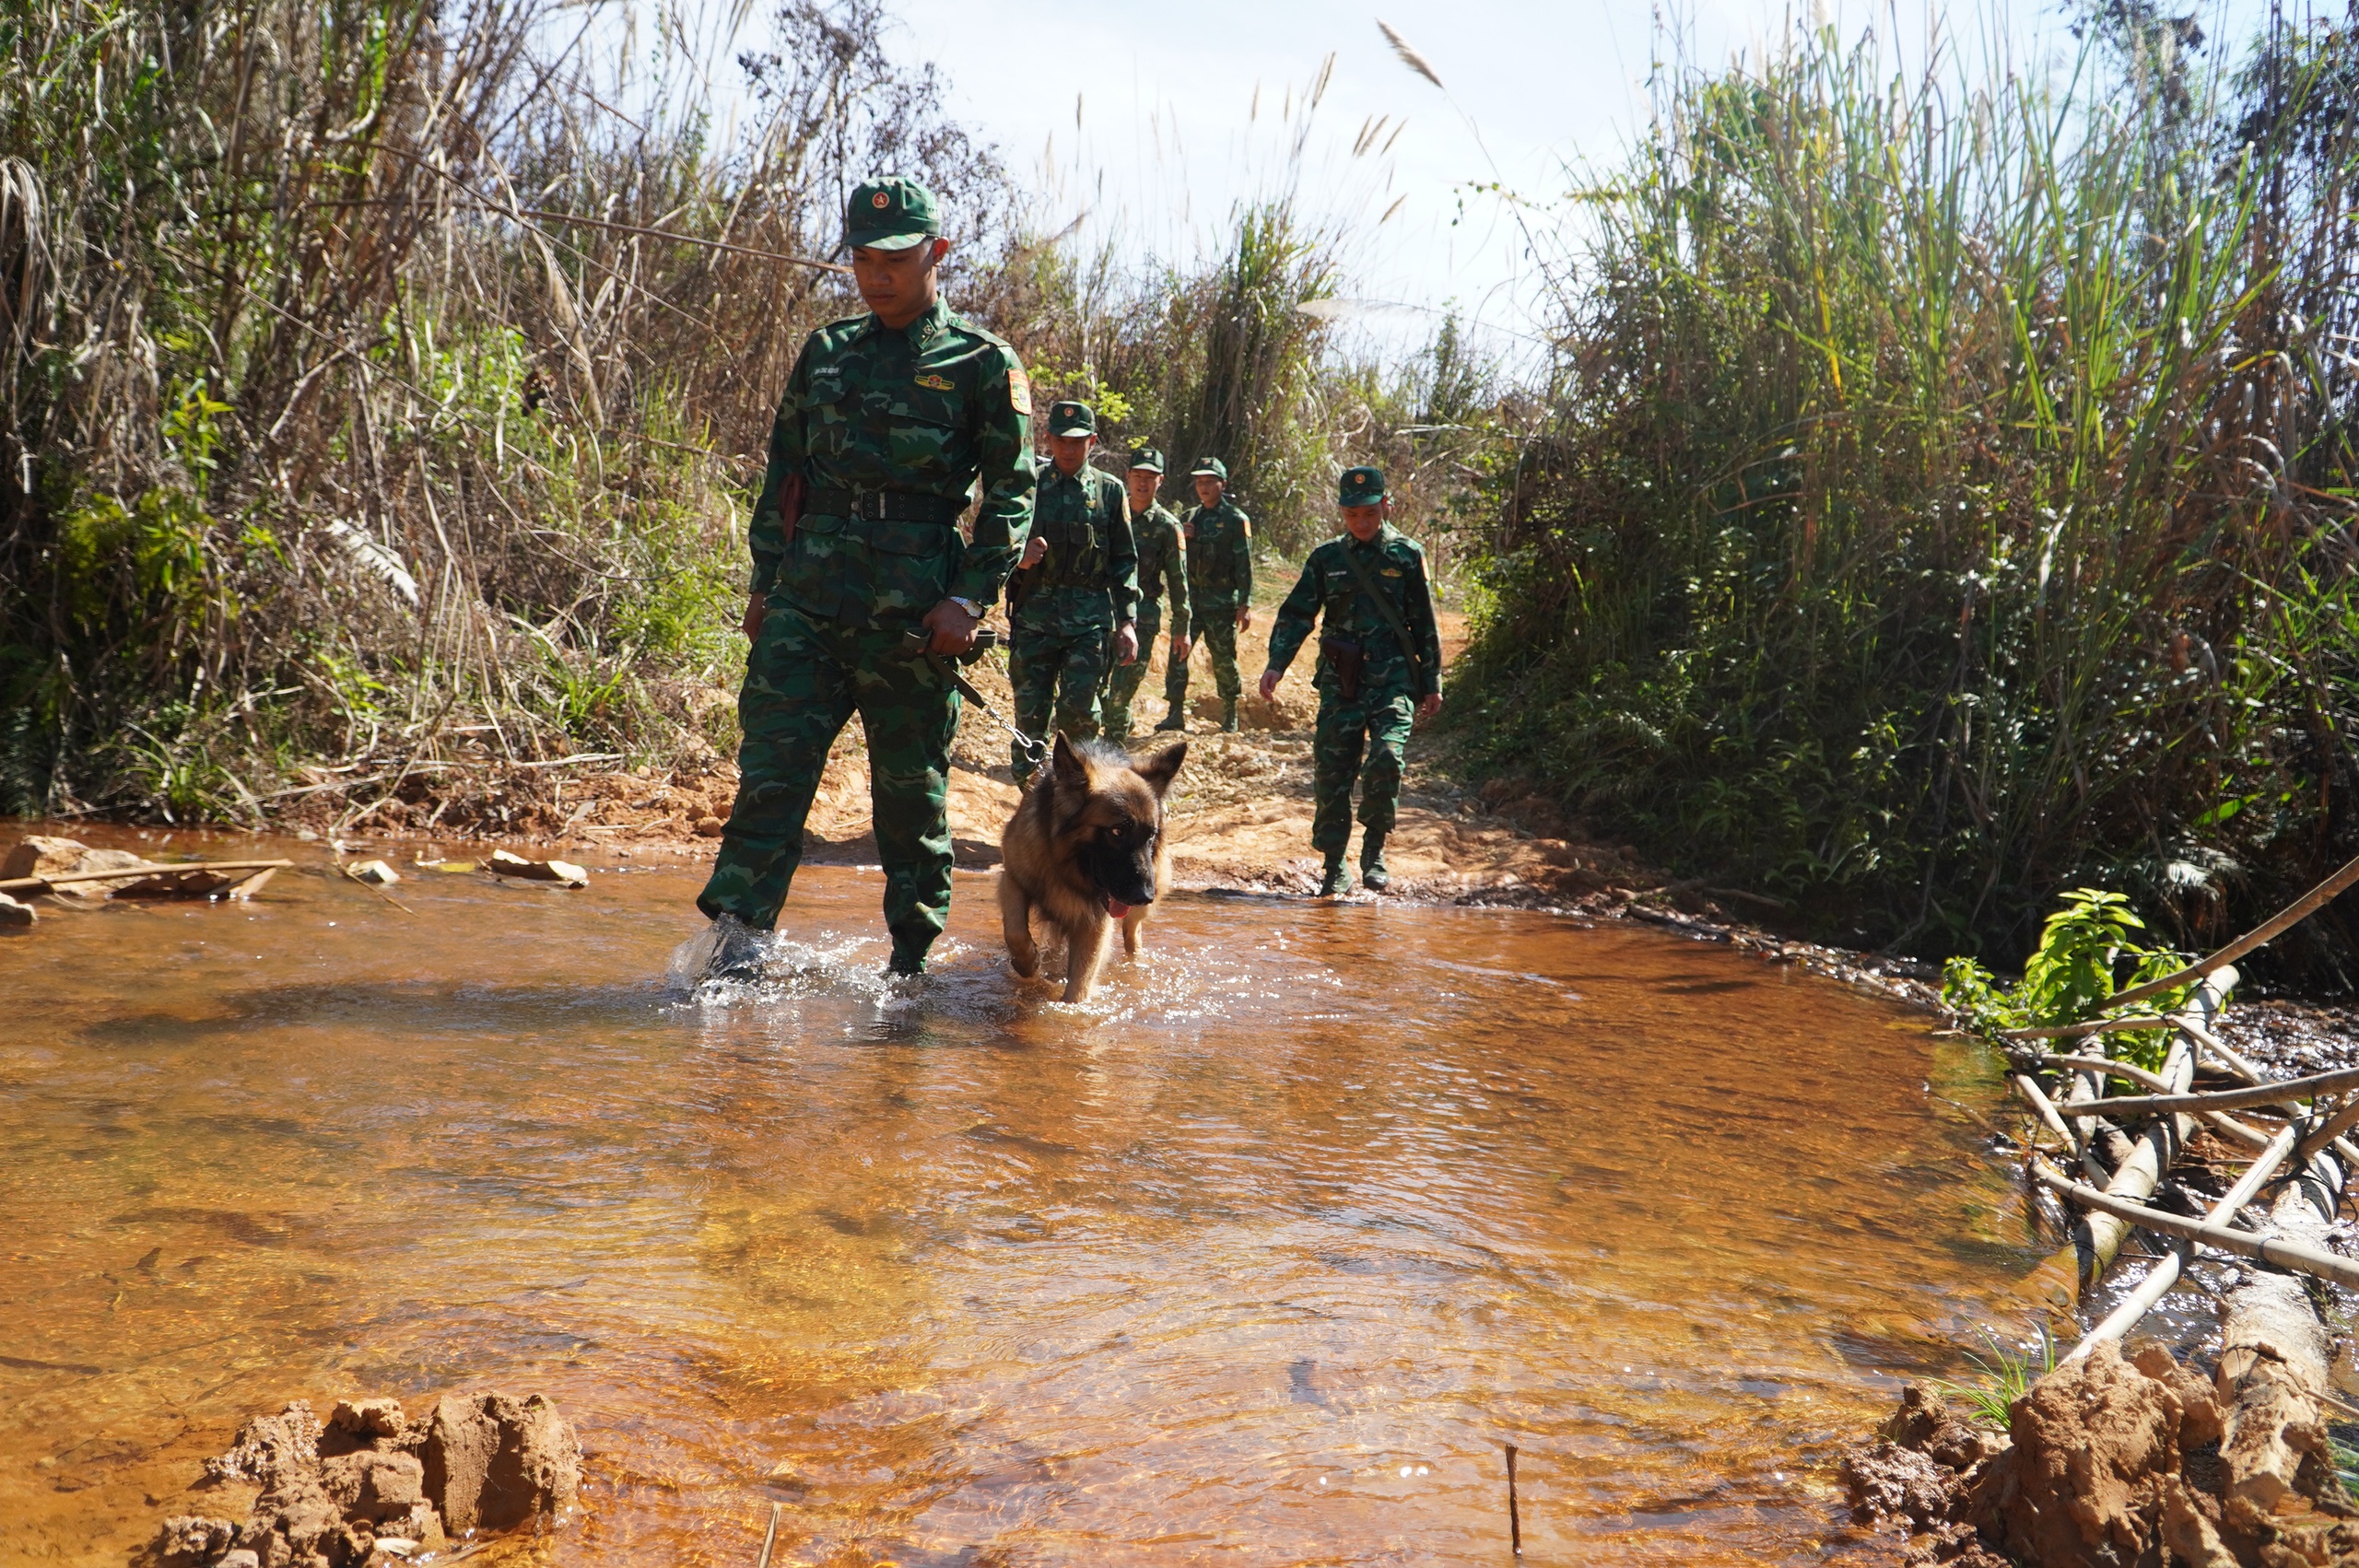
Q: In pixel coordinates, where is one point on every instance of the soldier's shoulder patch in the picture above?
(1019, 389)
(1245, 525)
(939, 383)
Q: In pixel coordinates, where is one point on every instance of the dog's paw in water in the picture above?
(1085, 852)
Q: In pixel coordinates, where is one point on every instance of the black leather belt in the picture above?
(883, 506)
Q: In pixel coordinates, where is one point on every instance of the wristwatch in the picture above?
(968, 605)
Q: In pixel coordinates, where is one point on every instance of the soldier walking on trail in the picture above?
(1220, 580)
(889, 421)
(1072, 607)
(1380, 657)
(1163, 563)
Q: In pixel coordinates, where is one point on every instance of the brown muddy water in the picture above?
(1258, 1261)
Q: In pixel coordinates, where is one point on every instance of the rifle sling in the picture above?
(1384, 607)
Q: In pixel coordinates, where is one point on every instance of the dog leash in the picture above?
(920, 644)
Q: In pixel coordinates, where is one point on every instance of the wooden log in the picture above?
(129, 873)
(2154, 1149)
(2132, 1308)
(2285, 919)
(2273, 1361)
(2276, 1250)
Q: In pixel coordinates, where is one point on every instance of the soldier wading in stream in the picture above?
(890, 420)
(1380, 662)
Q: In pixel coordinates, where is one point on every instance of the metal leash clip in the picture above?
(919, 645)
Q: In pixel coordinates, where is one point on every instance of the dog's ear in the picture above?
(1071, 767)
(1163, 767)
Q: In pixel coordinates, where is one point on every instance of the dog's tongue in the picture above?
(1116, 908)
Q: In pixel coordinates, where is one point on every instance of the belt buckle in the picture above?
(868, 505)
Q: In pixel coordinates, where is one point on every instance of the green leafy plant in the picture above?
(2071, 976)
(2007, 1375)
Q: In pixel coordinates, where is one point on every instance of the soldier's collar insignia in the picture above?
(939, 383)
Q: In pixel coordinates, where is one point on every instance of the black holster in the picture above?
(1348, 663)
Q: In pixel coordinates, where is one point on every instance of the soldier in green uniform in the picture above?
(1220, 580)
(1163, 564)
(1072, 607)
(1380, 660)
(890, 422)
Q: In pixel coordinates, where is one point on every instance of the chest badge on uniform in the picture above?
(939, 383)
(1392, 571)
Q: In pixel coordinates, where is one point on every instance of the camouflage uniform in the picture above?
(1162, 565)
(1220, 580)
(890, 430)
(1391, 683)
(1061, 639)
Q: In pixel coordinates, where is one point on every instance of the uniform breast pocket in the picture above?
(827, 418)
(928, 437)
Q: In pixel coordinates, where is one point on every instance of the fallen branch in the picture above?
(2272, 1250)
(2082, 1031)
(2269, 1093)
(135, 873)
(2226, 1126)
(2293, 914)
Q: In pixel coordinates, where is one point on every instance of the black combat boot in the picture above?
(1175, 720)
(1228, 716)
(1373, 871)
(738, 952)
(1338, 881)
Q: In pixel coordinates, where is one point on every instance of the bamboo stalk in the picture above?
(137, 872)
(2040, 1102)
(2227, 1125)
(769, 1537)
(2082, 1031)
(2293, 914)
(2266, 1093)
(2159, 1279)
(2245, 1244)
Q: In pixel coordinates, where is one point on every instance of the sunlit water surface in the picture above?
(1259, 1261)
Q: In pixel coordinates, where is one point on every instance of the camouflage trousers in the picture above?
(1122, 681)
(804, 679)
(1217, 634)
(1377, 726)
(1056, 673)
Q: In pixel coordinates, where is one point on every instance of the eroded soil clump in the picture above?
(374, 1486)
(2106, 1462)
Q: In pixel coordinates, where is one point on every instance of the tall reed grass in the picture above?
(1949, 491)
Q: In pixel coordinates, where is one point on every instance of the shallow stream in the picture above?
(1258, 1260)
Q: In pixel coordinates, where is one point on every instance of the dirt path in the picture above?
(1241, 812)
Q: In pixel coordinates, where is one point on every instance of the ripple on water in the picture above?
(1259, 1255)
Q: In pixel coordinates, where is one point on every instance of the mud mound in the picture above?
(373, 1486)
(2106, 1462)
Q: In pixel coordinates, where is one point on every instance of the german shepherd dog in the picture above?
(1085, 848)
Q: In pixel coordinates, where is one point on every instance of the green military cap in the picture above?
(1148, 459)
(1213, 466)
(1071, 419)
(890, 214)
(1360, 488)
